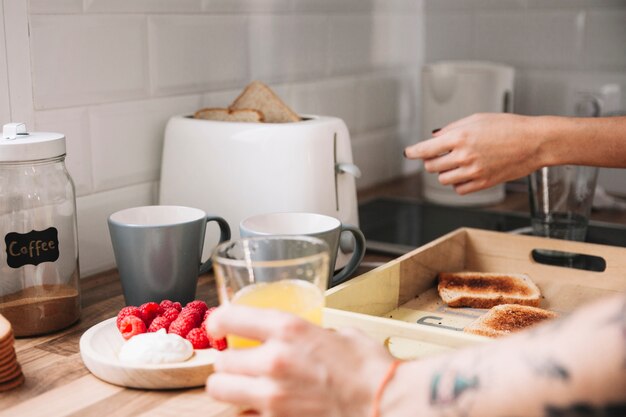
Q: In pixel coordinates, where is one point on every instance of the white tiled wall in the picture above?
(559, 48)
(109, 74)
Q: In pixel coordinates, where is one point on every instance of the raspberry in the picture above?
(171, 313)
(198, 305)
(182, 325)
(219, 344)
(131, 326)
(149, 311)
(193, 314)
(165, 304)
(127, 311)
(198, 338)
(160, 322)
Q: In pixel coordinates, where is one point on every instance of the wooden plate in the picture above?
(99, 349)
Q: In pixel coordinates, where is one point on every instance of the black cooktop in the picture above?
(397, 226)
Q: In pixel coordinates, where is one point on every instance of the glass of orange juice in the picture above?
(288, 273)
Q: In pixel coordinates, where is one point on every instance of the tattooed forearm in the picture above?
(549, 328)
(451, 389)
(619, 319)
(587, 410)
(549, 368)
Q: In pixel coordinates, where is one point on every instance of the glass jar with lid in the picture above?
(39, 275)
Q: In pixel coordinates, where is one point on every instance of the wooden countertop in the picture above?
(58, 384)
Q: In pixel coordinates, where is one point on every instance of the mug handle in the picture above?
(357, 255)
(224, 236)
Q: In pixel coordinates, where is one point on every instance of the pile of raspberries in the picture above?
(187, 322)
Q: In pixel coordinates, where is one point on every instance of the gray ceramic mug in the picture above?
(158, 251)
(316, 225)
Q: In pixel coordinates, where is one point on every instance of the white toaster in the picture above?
(237, 169)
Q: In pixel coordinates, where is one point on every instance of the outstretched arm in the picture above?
(570, 367)
(574, 366)
(485, 149)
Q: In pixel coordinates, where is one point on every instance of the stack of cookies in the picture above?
(10, 371)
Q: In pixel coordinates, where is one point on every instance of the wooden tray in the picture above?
(398, 302)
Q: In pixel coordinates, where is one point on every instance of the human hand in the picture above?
(481, 150)
(299, 370)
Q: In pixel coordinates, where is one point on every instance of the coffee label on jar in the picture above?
(32, 248)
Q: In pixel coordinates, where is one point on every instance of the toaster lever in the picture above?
(347, 168)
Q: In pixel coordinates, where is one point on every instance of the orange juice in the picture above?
(292, 295)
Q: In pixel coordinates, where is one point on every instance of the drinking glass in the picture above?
(560, 200)
(288, 273)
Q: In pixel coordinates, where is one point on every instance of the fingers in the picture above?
(470, 187)
(428, 149)
(269, 359)
(442, 163)
(456, 176)
(239, 389)
(253, 323)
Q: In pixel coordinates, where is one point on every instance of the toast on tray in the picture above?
(505, 319)
(487, 289)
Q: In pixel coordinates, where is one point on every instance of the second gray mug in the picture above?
(158, 251)
(316, 225)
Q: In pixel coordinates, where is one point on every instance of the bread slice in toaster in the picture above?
(505, 319)
(259, 96)
(229, 115)
(487, 289)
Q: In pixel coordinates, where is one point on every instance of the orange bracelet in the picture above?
(381, 388)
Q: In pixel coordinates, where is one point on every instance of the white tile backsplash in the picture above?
(448, 36)
(247, 6)
(288, 47)
(554, 37)
(127, 139)
(55, 6)
(110, 73)
(396, 41)
(5, 108)
(220, 99)
(80, 59)
(605, 40)
(500, 36)
(350, 43)
(188, 53)
(74, 124)
(377, 103)
(374, 152)
(330, 97)
(143, 6)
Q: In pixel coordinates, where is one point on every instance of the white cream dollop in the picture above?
(156, 348)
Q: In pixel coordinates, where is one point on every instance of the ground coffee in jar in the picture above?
(39, 275)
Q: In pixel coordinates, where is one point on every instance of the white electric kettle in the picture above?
(236, 169)
(452, 90)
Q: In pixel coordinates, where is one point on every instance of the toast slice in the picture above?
(508, 318)
(487, 289)
(229, 115)
(259, 96)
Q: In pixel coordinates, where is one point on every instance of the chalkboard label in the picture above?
(32, 248)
